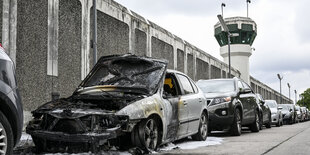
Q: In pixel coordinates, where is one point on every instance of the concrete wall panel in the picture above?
(69, 50)
(190, 65)
(180, 60)
(162, 50)
(140, 43)
(112, 36)
(202, 69)
(31, 59)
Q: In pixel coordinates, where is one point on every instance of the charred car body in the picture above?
(122, 97)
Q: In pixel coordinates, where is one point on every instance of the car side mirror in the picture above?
(280, 108)
(291, 110)
(245, 91)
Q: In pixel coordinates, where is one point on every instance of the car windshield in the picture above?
(271, 104)
(126, 72)
(216, 86)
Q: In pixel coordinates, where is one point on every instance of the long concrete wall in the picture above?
(50, 43)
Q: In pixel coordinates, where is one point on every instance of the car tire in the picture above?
(278, 123)
(235, 129)
(268, 125)
(146, 134)
(255, 126)
(6, 136)
(202, 133)
(261, 122)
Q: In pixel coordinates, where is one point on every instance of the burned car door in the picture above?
(190, 102)
(171, 92)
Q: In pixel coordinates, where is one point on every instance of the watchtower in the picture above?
(244, 31)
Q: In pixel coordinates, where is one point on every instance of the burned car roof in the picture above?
(124, 73)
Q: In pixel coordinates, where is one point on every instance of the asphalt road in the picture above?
(284, 140)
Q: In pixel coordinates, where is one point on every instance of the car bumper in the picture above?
(274, 118)
(220, 117)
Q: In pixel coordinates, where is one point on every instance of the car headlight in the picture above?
(220, 100)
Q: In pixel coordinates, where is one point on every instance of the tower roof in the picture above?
(245, 27)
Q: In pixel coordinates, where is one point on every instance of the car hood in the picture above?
(273, 110)
(125, 71)
(217, 95)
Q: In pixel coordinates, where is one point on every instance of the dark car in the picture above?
(288, 113)
(231, 104)
(125, 99)
(11, 111)
(265, 113)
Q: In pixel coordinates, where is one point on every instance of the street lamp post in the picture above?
(247, 7)
(280, 78)
(222, 6)
(95, 32)
(223, 24)
(295, 96)
(289, 90)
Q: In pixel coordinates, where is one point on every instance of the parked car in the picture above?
(123, 97)
(276, 114)
(303, 113)
(307, 114)
(288, 113)
(265, 113)
(231, 104)
(11, 110)
(298, 113)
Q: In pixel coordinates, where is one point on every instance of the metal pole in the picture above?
(222, 6)
(95, 32)
(295, 96)
(280, 92)
(229, 64)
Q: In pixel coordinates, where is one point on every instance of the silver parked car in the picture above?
(124, 98)
(276, 114)
(298, 113)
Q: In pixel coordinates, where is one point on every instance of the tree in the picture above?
(305, 100)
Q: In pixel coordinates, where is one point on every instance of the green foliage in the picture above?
(305, 100)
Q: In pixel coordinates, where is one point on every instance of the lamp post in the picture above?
(222, 6)
(289, 90)
(280, 78)
(95, 32)
(224, 26)
(247, 7)
(295, 96)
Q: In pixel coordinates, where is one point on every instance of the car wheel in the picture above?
(255, 126)
(236, 126)
(6, 136)
(278, 123)
(146, 134)
(261, 122)
(202, 133)
(268, 125)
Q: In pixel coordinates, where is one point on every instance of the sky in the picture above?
(282, 44)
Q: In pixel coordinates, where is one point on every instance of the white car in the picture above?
(276, 114)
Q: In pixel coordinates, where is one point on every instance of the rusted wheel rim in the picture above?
(3, 140)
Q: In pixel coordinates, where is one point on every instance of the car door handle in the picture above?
(199, 99)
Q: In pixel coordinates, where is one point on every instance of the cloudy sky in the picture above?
(282, 44)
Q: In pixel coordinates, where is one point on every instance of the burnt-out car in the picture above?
(123, 98)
